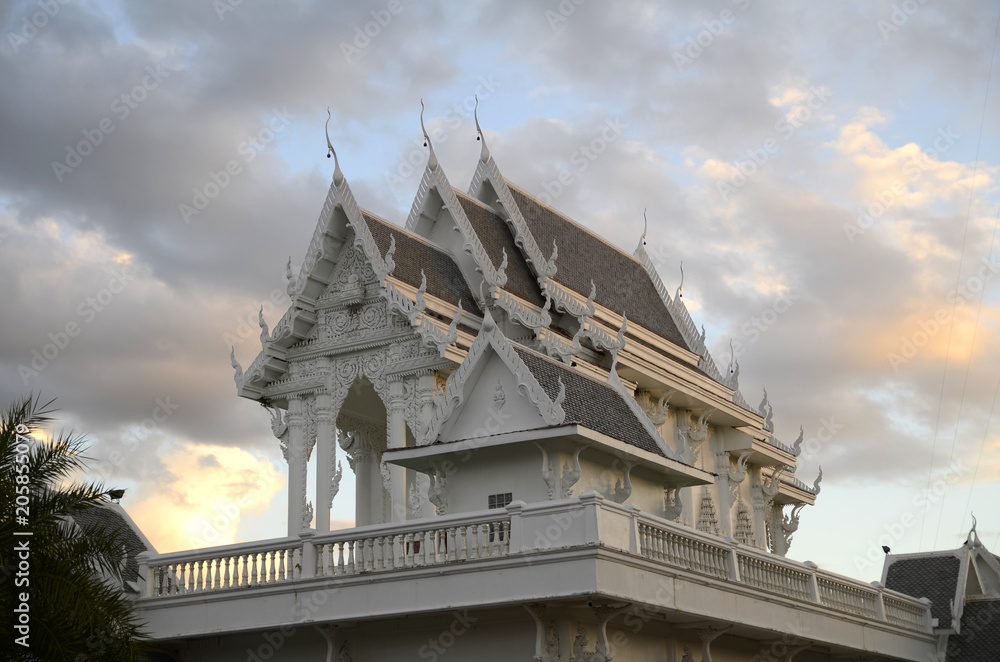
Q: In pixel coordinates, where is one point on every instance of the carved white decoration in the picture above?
(603, 341)
(238, 376)
(707, 636)
(682, 447)
(698, 433)
(416, 508)
(673, 505)
(767, 411)
(744, 525)
(484, 154)
(570, 476)
(335, 483)
(557, 347)
(290, 279)
(781, 528)
(819, 479)
(437, 491)
(523, 314)
(566, 301)
(615, 381)
(432, 161)
(435, 179)
(279, 427)
(429, 331)
(499, 397)
(797, 444)
(658, 411)
(264, 336)
(487, 171)
(737, 475)
(307, 513)
(623, 490)
(550, 410)
(548, 475)
(708, 518)
(386, 476)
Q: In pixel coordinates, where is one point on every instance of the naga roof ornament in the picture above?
(338, 176)
(484, 156)
(432, 161)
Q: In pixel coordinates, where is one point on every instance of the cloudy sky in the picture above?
(828, 175)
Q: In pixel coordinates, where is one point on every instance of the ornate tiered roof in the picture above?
(584, 330)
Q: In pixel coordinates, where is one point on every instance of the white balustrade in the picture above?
(476, 537)
(211, 572)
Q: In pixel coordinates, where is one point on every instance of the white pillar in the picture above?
(722, 493)
(325, 455)
(364, 500)
(296, 464)
(396, 438)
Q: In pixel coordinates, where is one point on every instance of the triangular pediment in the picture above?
(493, 362)
(437, 215)
(493, 404)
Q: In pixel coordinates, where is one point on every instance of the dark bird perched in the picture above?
(885, 549)
(116, 495)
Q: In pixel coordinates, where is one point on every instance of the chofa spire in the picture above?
(338, 176)
(432, 161)
(484, 155)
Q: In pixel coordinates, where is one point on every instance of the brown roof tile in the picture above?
(413, 254)
(622, 282)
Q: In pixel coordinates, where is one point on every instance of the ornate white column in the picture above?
(296, 464)
(396, 438)
(367, 505)
(325, 458)
(761, 506)
(723, 489)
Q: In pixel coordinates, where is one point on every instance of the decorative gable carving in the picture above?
(488, 339)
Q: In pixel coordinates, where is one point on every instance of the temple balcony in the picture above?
(570, 553)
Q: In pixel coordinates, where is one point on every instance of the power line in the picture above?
(951, 329)
(996, 392)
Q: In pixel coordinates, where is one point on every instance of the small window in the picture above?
(499, 500)
(495, 501)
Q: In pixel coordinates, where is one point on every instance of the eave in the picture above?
(423, 458)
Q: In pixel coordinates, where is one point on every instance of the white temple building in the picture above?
(549, 466)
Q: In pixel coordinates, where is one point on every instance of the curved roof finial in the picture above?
(645, 226)
(338, 176)
(432, 161)
(484, 156)
(678, 294)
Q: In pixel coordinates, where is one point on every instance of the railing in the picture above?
(582, 522)
(850, 598)
(409, 549)
(904, 613)
(684, 551)
(678, 546)
(233, 568)
(351, 552)
(774, 577)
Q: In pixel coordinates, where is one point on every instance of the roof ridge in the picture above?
(572, 222)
